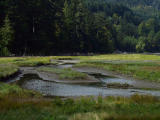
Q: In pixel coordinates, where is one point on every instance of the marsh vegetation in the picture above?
(16, 100)
(109, 108)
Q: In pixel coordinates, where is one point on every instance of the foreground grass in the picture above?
(7, 70)
(64, 73)
(110, 108)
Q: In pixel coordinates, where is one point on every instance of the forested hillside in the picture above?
(146, 8)
(49, 27)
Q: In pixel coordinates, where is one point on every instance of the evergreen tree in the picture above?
(6, 37)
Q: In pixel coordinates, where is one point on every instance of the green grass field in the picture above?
(34, 61)
(129, 57)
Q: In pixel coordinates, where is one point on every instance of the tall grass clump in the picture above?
(7, 90)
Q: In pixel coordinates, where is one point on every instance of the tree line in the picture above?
(50, 27)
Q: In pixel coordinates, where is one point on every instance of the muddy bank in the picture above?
(54, 78)
(46, 76)
(47, 88)
(22, 72)
(121, 78)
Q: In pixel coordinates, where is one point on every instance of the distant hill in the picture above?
(143, 7)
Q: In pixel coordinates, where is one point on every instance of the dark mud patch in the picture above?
(65, 58)
(27, 77)
(100, 76)
(119, 85)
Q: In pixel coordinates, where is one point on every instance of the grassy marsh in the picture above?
(17, 103)
(33, 61)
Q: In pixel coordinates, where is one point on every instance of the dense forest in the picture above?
(50, 27)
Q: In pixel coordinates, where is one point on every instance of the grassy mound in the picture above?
(64, 73)
(6, 70)
(14, 90)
